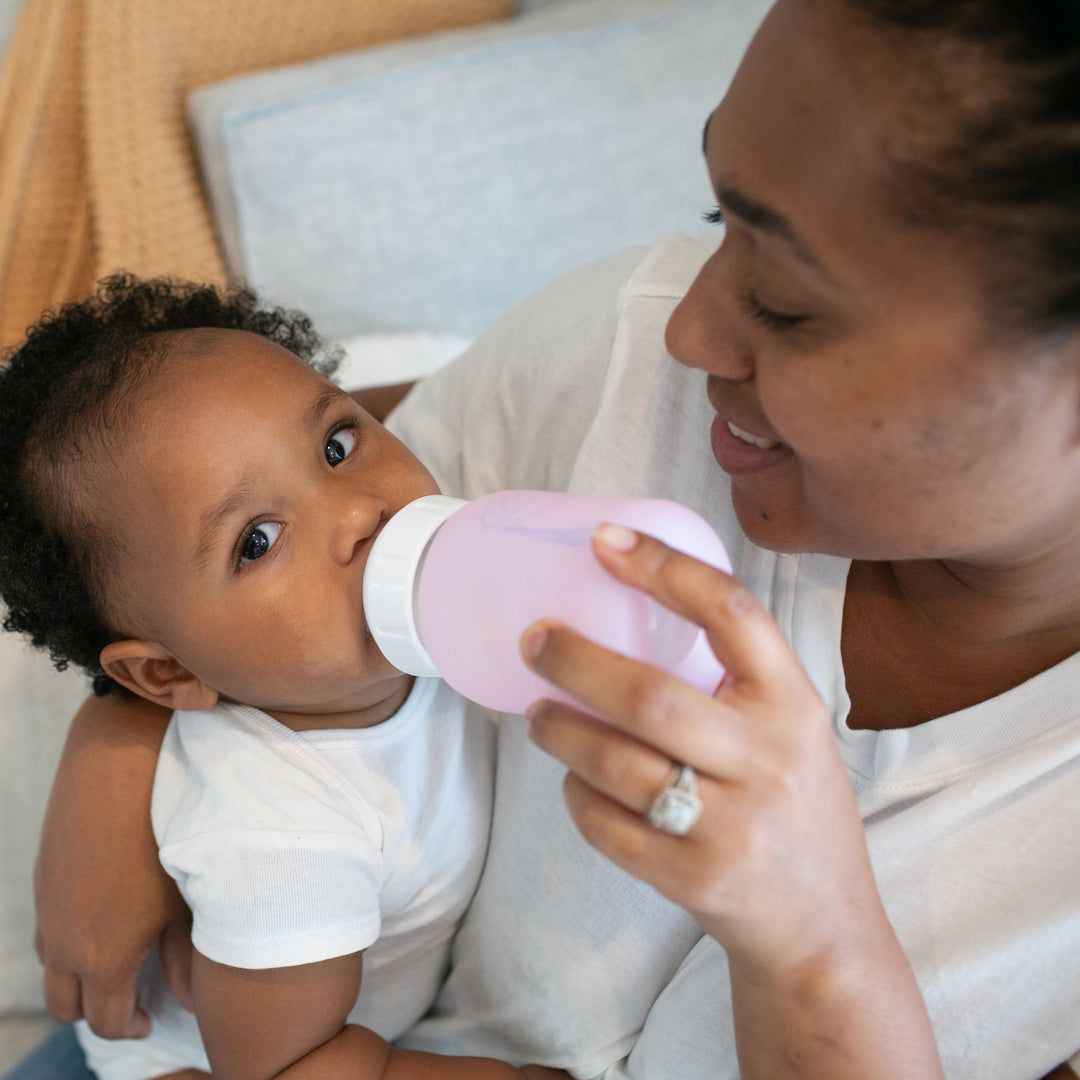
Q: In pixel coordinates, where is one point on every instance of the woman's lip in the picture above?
(730, 405)
(737, 456)
(762, 442)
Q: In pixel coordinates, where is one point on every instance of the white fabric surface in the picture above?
(293, 847)
(971, 818)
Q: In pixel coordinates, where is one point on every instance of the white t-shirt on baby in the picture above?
(297, 846)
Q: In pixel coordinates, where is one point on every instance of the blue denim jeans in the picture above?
(59, 1057)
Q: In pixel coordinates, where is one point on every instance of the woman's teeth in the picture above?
(754, 440)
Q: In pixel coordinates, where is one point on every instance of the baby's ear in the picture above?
(152, 672)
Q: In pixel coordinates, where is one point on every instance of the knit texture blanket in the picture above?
(97, 170)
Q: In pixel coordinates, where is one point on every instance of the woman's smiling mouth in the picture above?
(754, 440)
(738, 451)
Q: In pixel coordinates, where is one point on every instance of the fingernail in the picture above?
(532, 710)
(533, 641)
(616, 537)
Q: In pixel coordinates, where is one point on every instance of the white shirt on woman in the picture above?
(972, 819)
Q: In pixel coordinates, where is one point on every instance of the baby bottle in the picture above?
(451, 585)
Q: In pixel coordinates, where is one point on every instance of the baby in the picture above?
(187, 504)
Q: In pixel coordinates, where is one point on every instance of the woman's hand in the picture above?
(103, 899)
(776, 869)
(779, 850)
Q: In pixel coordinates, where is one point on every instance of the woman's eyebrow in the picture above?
(756, 214)
(763, 218)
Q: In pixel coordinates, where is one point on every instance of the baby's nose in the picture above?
(357, 521)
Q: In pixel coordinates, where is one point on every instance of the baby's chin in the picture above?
(376, 700)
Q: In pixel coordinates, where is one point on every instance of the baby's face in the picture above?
(247, 500)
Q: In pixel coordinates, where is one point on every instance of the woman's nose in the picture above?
(704, 331)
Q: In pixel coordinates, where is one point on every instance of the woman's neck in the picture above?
(924, 639)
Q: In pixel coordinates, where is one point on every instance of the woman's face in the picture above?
(865, 406)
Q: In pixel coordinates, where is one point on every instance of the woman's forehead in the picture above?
(803, 146)
(811, 82)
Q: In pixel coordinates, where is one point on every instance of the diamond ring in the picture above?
(677, 808)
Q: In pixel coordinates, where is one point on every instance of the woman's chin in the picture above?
(768, 523)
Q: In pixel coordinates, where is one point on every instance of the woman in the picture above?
(891, 354)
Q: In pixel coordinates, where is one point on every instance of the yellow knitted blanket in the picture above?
(97, 170)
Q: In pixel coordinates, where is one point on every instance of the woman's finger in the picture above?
(623, 836)
(692, 870)
(654, 706)
(744, 636)
(625, 770)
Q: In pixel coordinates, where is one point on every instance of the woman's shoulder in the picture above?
(669, 267)
(514, 409)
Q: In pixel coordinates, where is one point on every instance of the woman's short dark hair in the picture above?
(999, 110)
(62, 392)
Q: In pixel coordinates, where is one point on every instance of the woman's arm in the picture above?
(776, 869)
(291, 1023)
(379, 401)
(102, 898)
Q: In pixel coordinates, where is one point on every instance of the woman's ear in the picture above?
(152, 672)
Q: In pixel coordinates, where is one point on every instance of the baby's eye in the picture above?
(258, 540)
(340, 445)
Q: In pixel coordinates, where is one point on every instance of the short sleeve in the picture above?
(278, 857)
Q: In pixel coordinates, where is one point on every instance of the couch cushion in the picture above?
(434, 183)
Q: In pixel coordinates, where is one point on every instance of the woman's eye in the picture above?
(778, 321)
(258, 540)
(340, 445)
(713, 216)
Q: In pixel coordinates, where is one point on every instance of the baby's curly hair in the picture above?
(65, 392)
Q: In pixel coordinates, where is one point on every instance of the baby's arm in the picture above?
(290, 1023)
